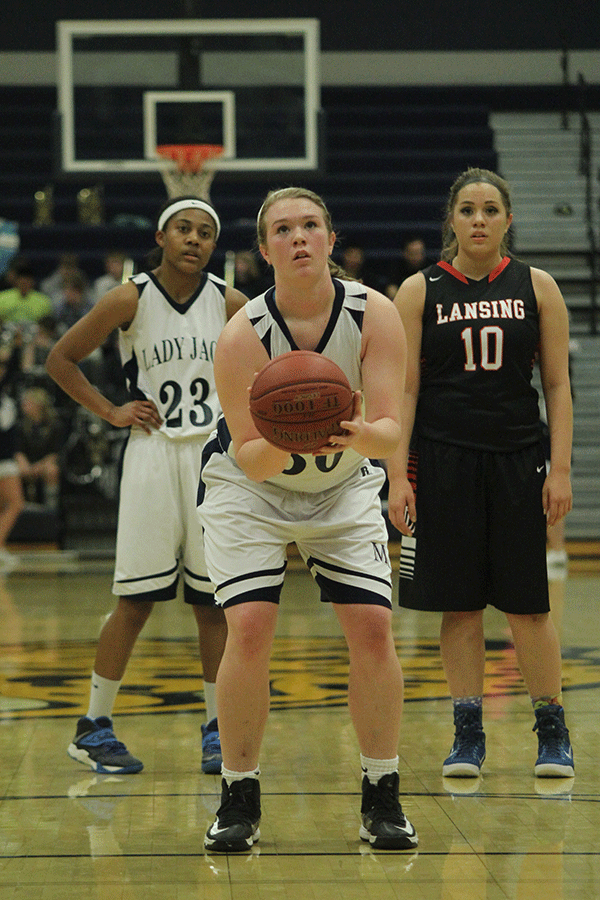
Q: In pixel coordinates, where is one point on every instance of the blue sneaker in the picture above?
(211, 748)
(468, 750)
(555, 754)
(96, 746)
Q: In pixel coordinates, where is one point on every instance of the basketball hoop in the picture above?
(190, 170)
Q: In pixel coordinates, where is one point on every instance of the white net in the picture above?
(191, 168)
(194, 183)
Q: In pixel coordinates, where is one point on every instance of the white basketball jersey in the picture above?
(168, 351)
(340, 342)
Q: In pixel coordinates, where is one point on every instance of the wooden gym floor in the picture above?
(65, 831)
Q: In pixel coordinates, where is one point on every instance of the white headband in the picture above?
(191, 203)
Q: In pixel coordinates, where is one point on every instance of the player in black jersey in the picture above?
(477, 510)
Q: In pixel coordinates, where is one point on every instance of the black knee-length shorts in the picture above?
(480, 535)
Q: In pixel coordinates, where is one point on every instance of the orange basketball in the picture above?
(298, 400)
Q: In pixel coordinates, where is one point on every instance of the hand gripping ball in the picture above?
(298, 400)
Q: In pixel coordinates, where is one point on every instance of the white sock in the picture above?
(229, 775)
(210, 700)
(103, 694)
(375, 768)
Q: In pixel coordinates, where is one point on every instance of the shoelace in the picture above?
(468, 736)
(105, 738)
(467, 721)
(553, 733)
(384, 806)
(239, 805)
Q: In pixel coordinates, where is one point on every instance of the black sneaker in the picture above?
(555, 754)
(236, 827)
(96, 746)
(384, 825)
(468, 750)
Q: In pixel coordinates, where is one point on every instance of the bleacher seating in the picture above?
(389, 159)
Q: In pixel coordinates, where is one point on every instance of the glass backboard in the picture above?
(251, 85)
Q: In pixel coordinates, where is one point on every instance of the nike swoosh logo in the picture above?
(435, 279)
(215, 832)
(541, 468)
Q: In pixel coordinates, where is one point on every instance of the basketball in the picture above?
(298, 400)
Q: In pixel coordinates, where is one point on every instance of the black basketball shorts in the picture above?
(480, 535)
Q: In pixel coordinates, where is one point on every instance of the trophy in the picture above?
(43, 206)
(90, 205)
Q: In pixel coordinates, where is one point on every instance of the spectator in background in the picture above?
(35, 351)
(74, 302)
(54, 284)
(9, 245)
(355, 264)
(250, 277)
(39, 439)
(413, 258)
(112, 377)
(114, 263)
(36, 344)
(22, 302)
(11, 493)
(353, 261)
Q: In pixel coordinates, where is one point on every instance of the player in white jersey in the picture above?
(169, 320)
(255, 498)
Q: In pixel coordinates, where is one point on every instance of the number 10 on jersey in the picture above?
(491, 339)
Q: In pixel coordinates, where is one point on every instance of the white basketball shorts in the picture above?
(158, 528)
(340, 533)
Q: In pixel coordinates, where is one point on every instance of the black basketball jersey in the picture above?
(478, 347)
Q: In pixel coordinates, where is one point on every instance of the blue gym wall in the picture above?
(346, 24)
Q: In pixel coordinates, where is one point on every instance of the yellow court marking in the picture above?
(164, 675)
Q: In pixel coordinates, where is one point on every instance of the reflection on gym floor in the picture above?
(65, 830)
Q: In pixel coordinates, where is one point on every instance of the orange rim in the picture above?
(189, 157)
